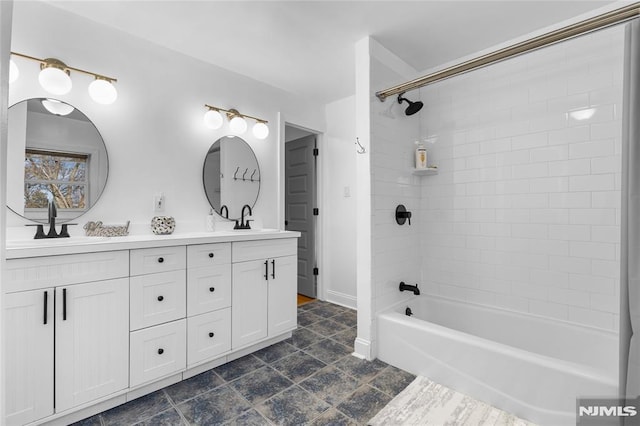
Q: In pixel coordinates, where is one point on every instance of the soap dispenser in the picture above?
(421, 156)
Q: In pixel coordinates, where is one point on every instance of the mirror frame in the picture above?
(94, 194)
(204, 181)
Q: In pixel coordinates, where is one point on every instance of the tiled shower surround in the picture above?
(525, 211)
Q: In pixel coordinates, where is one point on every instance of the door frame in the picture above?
(320, 196)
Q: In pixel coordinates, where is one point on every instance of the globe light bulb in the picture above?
(213, 119)
(238, 125)
(260, 130)
(57, 107)
(54, 80)
(14, 72)
(103, 91)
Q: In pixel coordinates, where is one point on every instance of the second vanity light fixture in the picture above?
(55, 78)
(213, 119)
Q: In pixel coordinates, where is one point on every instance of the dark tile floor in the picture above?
(309, 379)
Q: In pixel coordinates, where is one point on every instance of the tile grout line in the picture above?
(175, 406)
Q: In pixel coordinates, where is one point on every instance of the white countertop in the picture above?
(17, 249)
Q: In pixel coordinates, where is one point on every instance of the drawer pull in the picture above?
(160, 351)
(212, 289)
(210, 254)
(160, 259)
(160, 298)
(211, 334)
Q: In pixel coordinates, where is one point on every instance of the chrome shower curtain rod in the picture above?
(614, 17)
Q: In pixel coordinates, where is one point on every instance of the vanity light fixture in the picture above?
(237, 123)
(55, 78)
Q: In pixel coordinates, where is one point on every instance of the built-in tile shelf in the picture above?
(425, 172)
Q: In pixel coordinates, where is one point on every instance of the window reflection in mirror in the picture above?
(53, 154)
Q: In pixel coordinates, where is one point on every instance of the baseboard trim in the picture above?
(342, 299)
(363, 349)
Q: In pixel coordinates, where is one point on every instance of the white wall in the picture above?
(386, 252)
(154, 133)
(525, 212)
(339, 209)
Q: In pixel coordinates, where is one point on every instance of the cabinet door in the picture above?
(92, 341)
(28, 328)
(249, 292)
(208, 289)
(282, 294)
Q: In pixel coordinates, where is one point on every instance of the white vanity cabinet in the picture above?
(89, 321)
(87, 330)
(263, 290)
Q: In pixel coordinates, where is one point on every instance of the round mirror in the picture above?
(231, 176)
(55, 153)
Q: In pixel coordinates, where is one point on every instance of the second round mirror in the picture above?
(231, 175)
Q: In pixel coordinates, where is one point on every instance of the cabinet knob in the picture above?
(211, 334)
(210, 254)
(160, 351)
(160, 259)
(212, 289)
(160, 298)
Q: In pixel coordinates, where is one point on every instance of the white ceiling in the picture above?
(307, 47)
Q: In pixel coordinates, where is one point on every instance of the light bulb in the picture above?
(260, 130)
(57, 107)
(14, 72)
(103, 91)
(238, 125)
(213, 119)
(55, 81)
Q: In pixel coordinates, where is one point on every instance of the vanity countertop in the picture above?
(17, 249)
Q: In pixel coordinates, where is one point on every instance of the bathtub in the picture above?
(530, 366)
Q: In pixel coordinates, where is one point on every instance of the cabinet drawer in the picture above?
(51, 271)
(157, 298)
(161, 259)
(243, 251)
(208, 335)
(208, 289)
(157, 352)
(201, 255)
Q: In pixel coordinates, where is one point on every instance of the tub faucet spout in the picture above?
(413, 288)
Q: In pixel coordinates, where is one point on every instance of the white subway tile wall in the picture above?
(525, 211)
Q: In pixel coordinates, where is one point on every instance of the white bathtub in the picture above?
(530, 366)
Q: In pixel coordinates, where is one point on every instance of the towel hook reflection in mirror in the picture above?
(252, 174)
(245, 172)
(235, 177)
(360, 148)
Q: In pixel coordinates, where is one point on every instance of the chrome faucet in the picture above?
(244, 224)
(51, 218)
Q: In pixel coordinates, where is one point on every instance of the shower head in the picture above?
(413, 106)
